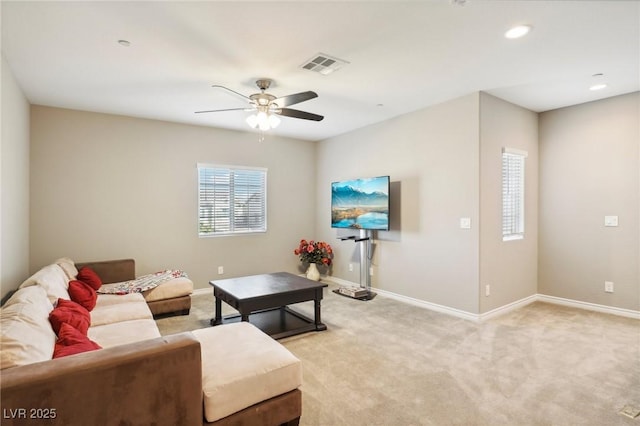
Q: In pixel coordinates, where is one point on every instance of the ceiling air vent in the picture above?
(324, 64)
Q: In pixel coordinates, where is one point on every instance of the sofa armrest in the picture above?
(112, 271)
(156, 381)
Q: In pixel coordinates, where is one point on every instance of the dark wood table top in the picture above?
(255, 286)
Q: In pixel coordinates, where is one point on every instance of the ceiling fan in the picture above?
(266, 107)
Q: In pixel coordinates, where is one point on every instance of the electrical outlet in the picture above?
(487, 290)
(371, 270)
(608, 286)
(351, 267)
(220, 270)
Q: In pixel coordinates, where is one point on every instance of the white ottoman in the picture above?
(242, 366)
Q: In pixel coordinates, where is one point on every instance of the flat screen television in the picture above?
(360, 203)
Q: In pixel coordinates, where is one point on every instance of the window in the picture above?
(231, 200)
(513, 194)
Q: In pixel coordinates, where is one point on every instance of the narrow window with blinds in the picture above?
(231, 200)
(513, 194)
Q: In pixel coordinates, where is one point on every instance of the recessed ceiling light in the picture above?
(598, 83)
(518, 31)
(125, 43)
(598, 86)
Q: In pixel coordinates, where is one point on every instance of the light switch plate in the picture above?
(465, 223)
(611, 221)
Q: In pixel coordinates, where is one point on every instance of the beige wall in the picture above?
(510, 268)
(589, 166)
(105, 187)
(432, 157)
(14, 184)
(102, 186)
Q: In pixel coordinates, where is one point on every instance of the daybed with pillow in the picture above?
(102, 361)
(173, 296)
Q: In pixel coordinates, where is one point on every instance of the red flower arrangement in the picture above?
(314, 252)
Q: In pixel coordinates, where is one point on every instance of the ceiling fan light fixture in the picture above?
(263, 121)
(274, 121)
(265, 108)
(252, 120)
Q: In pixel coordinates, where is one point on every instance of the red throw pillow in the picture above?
(83, 294)
(71, 341)
(88, 276)
(71, 313)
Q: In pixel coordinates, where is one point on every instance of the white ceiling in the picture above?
(403, 55)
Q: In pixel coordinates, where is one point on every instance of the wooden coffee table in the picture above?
(263, 299)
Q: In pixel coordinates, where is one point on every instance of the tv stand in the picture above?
(364, 291)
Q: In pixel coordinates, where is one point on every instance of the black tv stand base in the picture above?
(369, 296)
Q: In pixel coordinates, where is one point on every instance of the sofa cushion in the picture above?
(242, 366)
(116, 299)
(53, 279)
(118, 312)
(88, 275)
(83, 294)
(176, 287)
(68, 266)
(31, 294)
(122, 333)
(26, 336)
(71, 341)
(67, 311)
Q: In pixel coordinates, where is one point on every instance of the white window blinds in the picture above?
(231, 200)
(513, 194)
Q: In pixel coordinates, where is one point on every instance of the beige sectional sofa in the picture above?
(229, 374)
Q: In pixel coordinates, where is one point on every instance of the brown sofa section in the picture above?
(152, 382)
(112, 271)
(139, 377)
(283, 410)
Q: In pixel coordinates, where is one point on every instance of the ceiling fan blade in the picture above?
(296, 98)
(231, 90)
(229, 109)
(288, 112)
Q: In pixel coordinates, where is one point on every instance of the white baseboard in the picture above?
(497, 311)
(198, 291)
(338, 281)
(629, 313)
(428, 305)
(508, 307)
(410, 300)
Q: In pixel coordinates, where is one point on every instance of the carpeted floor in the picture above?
(383, 362)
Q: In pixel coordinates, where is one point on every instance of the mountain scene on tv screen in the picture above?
(360, 204)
